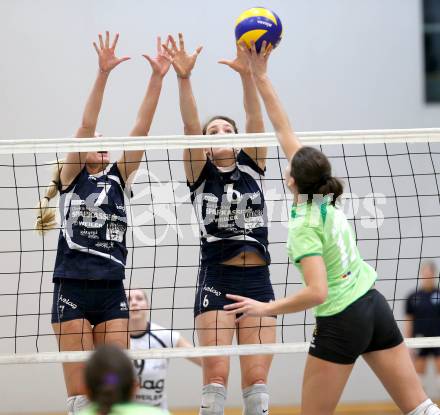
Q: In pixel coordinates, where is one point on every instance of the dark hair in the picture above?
(109, 377)
(220, 117)
(313, 174)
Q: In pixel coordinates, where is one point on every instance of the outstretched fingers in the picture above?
(181, 42)
(268, 50)
(197, 51)
(115, 41)
(101, 42)
(123, 59)
(253, 48)
(167, 49)
(159, 45)
(225, 62)
(173, 43)
(148, 58)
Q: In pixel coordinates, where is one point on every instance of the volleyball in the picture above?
(258, 24)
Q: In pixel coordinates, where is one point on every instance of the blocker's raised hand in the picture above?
(161, 63)
(183, 63)
(257, 61)
(106, 53)
(240, 64)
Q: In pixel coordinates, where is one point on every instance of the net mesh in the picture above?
(391, 198)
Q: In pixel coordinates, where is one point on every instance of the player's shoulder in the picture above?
(416, 295)
(411, 295)
(167, 336)
(156, 327)
(307, 215)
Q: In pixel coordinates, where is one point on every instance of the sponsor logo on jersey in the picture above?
(123, 306)
(91, 234)
(121, 207)
(152, 385)
(105, 245)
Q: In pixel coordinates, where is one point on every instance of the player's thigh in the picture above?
(74, 335)
(256, 330)
(323, 384)
(112, 332)
(396, 371)
(215, 328)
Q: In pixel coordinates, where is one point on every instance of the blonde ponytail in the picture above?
(46, 219)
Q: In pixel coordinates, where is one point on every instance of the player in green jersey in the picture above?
(353, 319)
(111, 384)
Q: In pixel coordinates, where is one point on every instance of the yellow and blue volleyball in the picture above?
(258, 24)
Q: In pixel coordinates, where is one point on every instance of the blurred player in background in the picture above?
(146, 335)
(423, 318)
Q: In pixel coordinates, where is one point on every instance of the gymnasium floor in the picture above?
(381, 408)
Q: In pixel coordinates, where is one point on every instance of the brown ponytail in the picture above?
(45, 214)
(312, 172)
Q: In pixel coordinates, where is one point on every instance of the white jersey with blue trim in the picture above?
(91, 244)
(152, 373)
(231, 210)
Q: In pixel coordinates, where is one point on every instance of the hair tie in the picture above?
(47, 198)
(111, 379)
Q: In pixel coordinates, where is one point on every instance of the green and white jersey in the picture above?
(128, 408)
(323, 230)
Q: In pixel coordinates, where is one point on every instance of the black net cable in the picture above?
(392, 201)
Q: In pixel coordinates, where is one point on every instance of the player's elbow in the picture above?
(319, 295)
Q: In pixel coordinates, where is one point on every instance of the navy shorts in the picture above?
(94, 300)
(367, 325)
(215, 281)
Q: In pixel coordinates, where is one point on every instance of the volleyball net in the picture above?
(391, 198)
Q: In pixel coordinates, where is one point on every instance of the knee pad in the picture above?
(76, 403)
(213, 399)
(256, 400)
(426, 408)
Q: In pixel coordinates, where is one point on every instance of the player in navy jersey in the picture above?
(89, 303)
(423, 317)
(227, 195)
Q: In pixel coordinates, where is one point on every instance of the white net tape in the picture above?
(55, 145)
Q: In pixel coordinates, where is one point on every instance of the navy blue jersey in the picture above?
(91, 244)
(424, 307)
(230, 208)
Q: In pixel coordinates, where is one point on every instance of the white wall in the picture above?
(344, 64)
